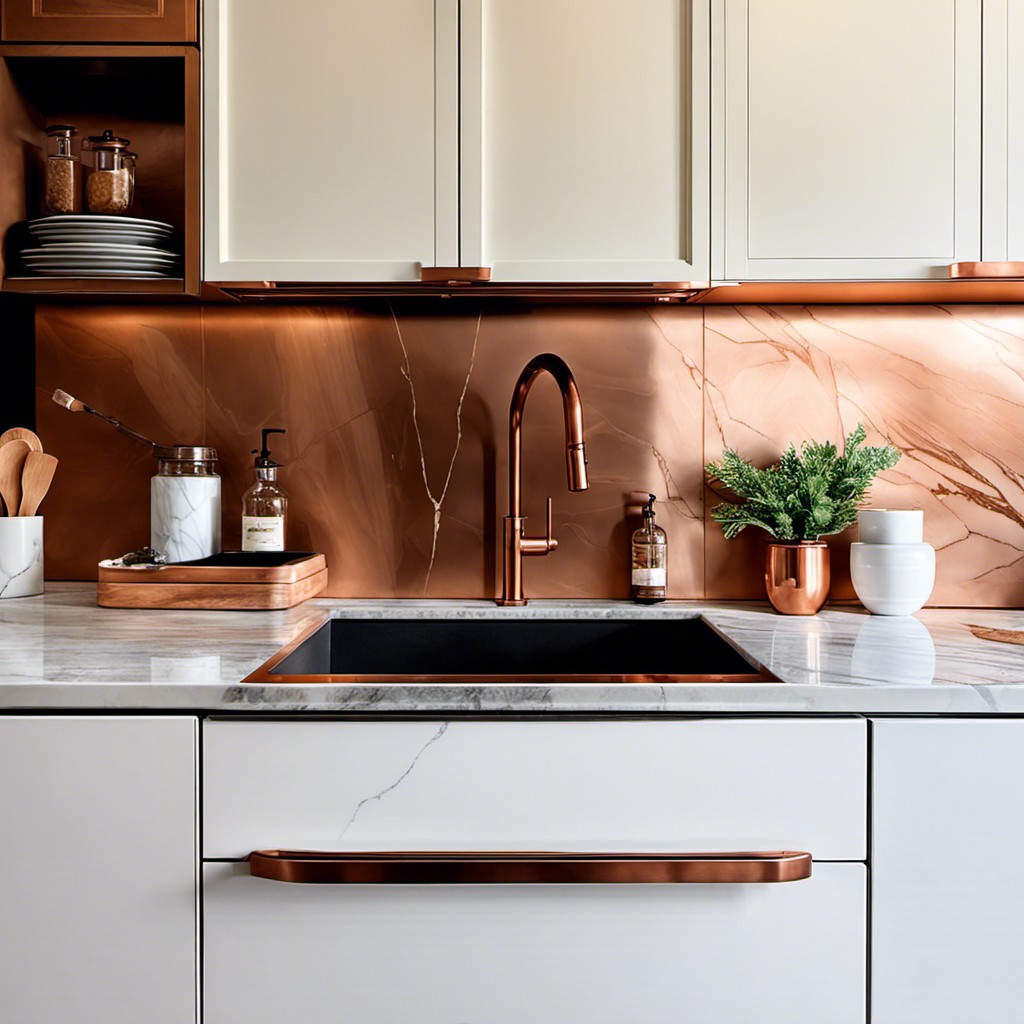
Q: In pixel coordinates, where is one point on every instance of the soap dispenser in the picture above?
(649, 578)
(264, 505)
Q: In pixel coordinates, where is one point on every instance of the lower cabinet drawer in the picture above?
(645, 786)
(546, 954)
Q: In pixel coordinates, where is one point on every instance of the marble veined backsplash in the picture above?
(396, 452)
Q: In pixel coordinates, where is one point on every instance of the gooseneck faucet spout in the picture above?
(515, 544)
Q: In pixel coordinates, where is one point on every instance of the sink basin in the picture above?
(380, 650)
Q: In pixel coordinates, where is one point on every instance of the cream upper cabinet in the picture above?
(1003, 227)
(330, 139)
(551, 140)
(847, 138)
(585, 139)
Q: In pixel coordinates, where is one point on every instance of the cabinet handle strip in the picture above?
(308, 866)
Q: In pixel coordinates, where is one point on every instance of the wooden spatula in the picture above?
(35, 481)
(22, 434)
(12, 460)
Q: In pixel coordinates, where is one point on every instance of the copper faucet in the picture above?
(515, 543)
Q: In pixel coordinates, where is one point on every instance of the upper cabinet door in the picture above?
(99, 21)
(320, 159)
(848, 138)
(1003, 230)
(584, 139)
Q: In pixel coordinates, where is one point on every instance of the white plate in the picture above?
(99, 257)
(50, 272)
(98, 219)
(96, 232)
(96, 248)
(74, 268)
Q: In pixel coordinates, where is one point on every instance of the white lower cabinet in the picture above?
(558, 953)
(588, 954)
(98, 865)
(947, 885)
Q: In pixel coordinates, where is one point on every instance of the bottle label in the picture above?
(650, 577)
(263, 533)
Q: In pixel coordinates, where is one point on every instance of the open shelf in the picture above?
(150, 94)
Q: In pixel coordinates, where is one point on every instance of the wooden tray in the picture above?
(230, 580)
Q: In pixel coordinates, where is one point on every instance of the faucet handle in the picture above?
(549, 533)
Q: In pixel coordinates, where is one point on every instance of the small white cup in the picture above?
(21, 556)
(891, 525)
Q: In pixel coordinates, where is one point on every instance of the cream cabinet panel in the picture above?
(947, 888)
(1003, 231)
(848, 138)
(98, 870)
(584, 139)
(321, 118)
(791, 953)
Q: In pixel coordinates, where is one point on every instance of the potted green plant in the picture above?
(803, 497)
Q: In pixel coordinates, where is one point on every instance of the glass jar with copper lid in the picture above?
(63, 191)
(110, 179)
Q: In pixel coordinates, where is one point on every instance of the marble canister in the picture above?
(21, 556)
(184, 503)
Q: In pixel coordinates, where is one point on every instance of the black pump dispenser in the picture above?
(263, 460)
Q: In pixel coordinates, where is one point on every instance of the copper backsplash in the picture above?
(395, 452)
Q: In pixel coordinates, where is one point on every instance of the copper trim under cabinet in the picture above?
(992, 270)
(455, 275)
(528, 868)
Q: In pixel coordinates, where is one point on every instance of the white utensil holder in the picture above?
(21, 556)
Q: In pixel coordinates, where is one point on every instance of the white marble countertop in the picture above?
(61, 651)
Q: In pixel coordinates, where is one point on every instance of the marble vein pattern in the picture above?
(395, 457)
(21, 556)
(441, 730)
(436, 501)
(185, 516)
(60, 650)
(943, 384)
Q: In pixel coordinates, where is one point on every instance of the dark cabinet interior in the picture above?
(149, 94)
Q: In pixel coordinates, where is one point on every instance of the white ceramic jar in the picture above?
(21, 556)
(893, 570)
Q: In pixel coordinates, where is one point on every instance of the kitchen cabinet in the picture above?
(102, 21)
(548, 141)
(550, 953)
(947, 890)
(848, 139)
(149, 94)
(584, 139)
(98, 869)
(1003, 225)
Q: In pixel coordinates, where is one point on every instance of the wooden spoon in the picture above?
(12, 460)
(21, 434)
(35, 481)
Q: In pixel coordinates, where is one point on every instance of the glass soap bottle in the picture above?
(63, 189)
(264, 505)
(649, 577)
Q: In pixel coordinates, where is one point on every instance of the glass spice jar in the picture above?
(63, 191)
(110, 182)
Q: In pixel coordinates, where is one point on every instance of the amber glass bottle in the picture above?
(649, 577)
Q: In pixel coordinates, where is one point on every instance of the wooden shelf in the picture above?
(149, 94)
(95, 285)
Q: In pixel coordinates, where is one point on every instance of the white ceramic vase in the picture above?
(893, 570)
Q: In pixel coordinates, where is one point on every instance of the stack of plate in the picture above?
(90, 245)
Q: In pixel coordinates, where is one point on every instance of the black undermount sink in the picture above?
(351, 650)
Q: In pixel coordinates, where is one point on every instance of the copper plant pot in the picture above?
(797, 576)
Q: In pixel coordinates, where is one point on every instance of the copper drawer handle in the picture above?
(526, 868)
